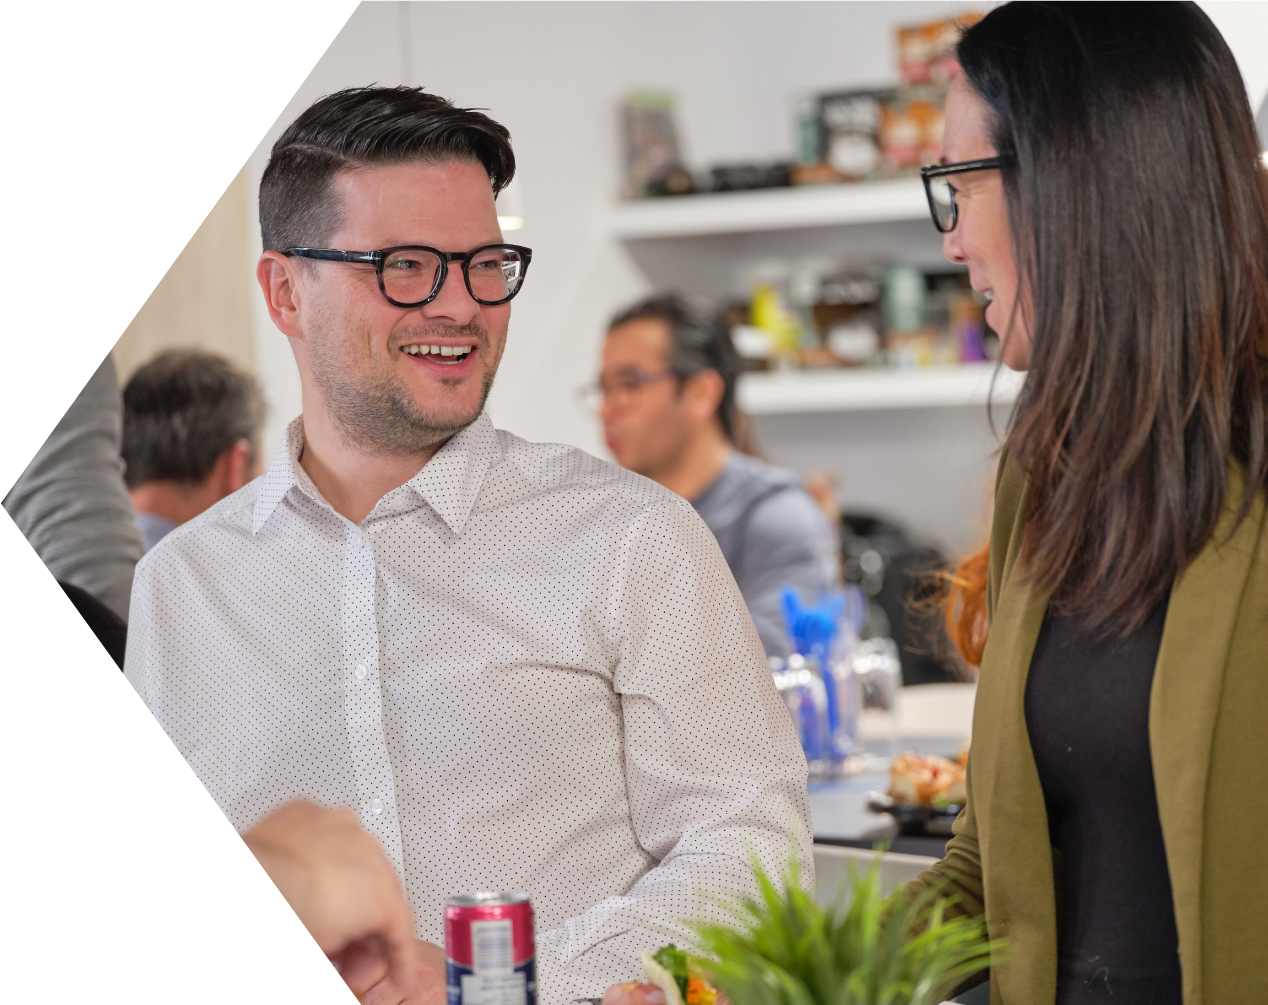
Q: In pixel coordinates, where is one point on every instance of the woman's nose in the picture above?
(952, 249)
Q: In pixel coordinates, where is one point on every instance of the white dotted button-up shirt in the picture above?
(526, 669)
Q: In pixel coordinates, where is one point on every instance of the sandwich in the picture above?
(679, 976)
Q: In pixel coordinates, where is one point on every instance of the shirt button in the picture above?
(360, 671)
(376, 806)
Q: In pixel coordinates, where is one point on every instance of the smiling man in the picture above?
(522, 667)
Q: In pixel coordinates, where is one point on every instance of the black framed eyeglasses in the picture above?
(624, 388)
(412, 275)
(941, 194)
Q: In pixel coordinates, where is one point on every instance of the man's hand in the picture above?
(634, 993)
(336, 878)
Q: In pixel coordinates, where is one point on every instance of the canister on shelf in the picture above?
(770, 312)
(850, 124)
(968, 328)
(905, 292)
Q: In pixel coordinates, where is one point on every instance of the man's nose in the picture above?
(605, 408)
(453, 302)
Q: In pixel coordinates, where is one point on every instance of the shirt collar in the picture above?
(284, 474)
(449, 482)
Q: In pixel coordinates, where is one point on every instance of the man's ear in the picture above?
(233, 468)
(279, 279)
(703, 394)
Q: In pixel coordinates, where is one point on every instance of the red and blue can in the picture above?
(489, 953)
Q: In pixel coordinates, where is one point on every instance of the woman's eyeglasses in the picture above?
(941, 194)
(412, 275)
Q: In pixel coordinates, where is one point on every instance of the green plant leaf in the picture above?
(782, 948)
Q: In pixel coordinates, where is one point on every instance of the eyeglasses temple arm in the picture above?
(945, 170)
(330, 255)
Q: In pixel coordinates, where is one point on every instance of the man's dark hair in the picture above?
(357, 128)
(700, 339)
(181, 411)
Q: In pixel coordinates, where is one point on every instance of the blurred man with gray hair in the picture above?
(191, 422)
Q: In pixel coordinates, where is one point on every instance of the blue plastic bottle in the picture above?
(822, 638)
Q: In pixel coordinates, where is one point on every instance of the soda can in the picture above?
(489, 953)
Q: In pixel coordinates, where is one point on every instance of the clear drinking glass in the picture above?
(880, 676)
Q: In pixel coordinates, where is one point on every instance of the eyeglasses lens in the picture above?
(410, 276)
(620, 392)
(495, 274)
(942, 202)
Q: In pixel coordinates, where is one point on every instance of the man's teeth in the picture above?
(459, 351)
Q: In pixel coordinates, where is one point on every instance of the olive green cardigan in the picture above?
(1208, 734)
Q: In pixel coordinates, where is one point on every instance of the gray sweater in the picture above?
(71, 503)
(772, 535)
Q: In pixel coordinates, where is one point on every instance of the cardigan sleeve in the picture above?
(959, 873)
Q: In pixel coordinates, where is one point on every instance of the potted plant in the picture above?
(783, 948)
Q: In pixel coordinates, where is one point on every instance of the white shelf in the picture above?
(870, 390)
(772, 209)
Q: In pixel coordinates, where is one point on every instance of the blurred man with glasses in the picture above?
(666, 396)
(523, 668)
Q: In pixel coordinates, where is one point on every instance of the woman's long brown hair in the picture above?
(1133, 183)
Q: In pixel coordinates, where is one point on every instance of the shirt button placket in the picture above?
(363, 700)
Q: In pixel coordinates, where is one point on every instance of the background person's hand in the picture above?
(634, 993)
(369, 980)
(337, 879)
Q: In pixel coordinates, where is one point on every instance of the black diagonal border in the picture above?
(126, 878)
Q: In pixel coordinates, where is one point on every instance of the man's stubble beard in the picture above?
(376, 411)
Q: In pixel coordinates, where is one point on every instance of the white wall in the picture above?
(554, 74)
(205, 300)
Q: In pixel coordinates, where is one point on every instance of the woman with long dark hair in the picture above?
(1102, 184)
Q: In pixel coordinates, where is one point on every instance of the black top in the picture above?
(110, 629)
(1087, 710)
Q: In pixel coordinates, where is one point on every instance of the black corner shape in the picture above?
(108, 627)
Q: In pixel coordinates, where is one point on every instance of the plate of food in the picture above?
(926, 793)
